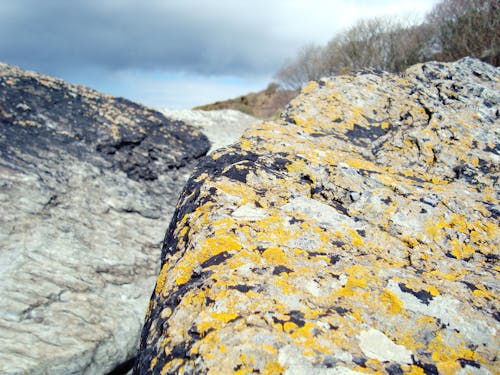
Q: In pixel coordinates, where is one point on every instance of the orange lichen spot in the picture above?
(224, 316)
(351, 284)
(242, 191)
(392, 301)
(273, 368)
(491, 229)
(245, 365)
(246, 144)
(362, 164)
(212, 246)
(358, 279)
(283, 283)
(275, 255)
(482, 293)
(409, 240)
(176, 363)
(442, 352)
(160, 281)
(204, 325)
(448, 367)
(185, 275)
(451, 276)
(270, 348)
(458, 222)
(183, 231)
(461, 250)
(371, 365)
(163, 343)
(356, 239)
(415, 370)
(276, 231)
(194, 299)
(433, 290)
(385, 179)
(357, 269)
(433, 229)
(289, 327)
(297, 166)
(153, 363)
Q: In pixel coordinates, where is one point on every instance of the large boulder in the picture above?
(88, 183)
(358, 234)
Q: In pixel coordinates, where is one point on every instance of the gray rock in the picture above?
(222, 127)
(87, 184)
(358, 234)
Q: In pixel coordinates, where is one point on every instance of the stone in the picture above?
(374, 344)
(222, 127)
(357, 234)
(87, 185)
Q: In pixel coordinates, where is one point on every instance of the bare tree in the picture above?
(381, 43)
(467, 28)
(453, 29)
(306, 67)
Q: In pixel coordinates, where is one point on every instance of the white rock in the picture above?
(249, 212)
(222, 127)
(376, 345)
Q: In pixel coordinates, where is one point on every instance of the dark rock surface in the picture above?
(358, 234)
(42, 116)
(87, 185)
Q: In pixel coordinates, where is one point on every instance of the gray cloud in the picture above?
(207, 37)
(231, 37)
(174, 53)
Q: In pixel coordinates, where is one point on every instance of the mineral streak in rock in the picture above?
(357, 234)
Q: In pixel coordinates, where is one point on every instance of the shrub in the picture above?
(466, 28)
(453, 29)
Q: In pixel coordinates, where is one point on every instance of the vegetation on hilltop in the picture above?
(451, 30)
(267, 103)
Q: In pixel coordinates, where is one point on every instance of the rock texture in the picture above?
(222, 127)
(88, 183)
(358, 234)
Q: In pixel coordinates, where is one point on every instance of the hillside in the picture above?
(264, 104)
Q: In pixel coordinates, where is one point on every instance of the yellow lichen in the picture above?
(273, 368)
(392, 301)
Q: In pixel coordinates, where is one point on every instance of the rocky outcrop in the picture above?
(222, 127)
(87, 184)
(357, 234)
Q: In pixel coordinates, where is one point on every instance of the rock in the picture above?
(87, 183)
(341, 239)
(222, 127)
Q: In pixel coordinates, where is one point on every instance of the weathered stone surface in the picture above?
(222, 127)
(87, 185)
(358, 234)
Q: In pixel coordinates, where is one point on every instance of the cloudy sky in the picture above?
(175, 53)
